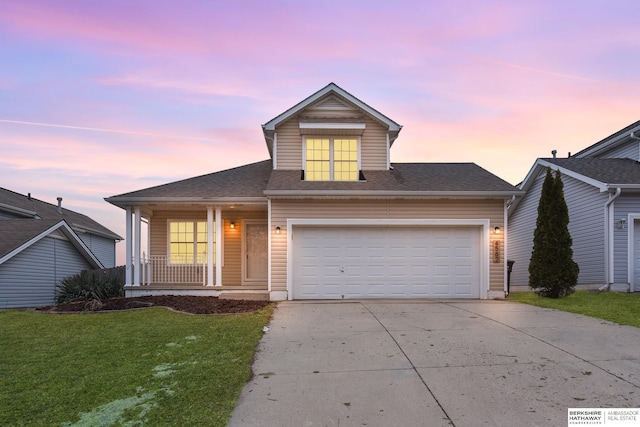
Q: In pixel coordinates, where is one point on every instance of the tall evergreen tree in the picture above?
(552, 271)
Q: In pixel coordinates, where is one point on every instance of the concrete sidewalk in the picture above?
(428, 363)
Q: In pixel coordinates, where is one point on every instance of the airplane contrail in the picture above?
(126, 132)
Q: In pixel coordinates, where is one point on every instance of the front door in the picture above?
(255, 252)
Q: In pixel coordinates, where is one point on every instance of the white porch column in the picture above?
(128, 279)
(136, 249)
(210, 251)
(219, 238)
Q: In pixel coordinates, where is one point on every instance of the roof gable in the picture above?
(330, 97)
(20, 234)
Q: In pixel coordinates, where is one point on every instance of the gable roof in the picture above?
(243, 183)
(19, 234)
(620, 137)
(600, 173)
(611, 172)
(23, 206)
(403, 180)
(603, 174)
(269, 128)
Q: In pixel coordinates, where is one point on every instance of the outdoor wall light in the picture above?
(278, 230)
(232, 225)
(496, 230)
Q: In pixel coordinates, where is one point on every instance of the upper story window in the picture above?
(188, 242)
(331, 159)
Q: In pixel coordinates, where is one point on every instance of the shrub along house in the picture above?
(328, 216)
(41, 244)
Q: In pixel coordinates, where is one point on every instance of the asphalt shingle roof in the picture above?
(15, 232)
(258, 179)
(405, 177)
(608, 171)
(243, 181)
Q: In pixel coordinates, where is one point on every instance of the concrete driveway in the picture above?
(428, 363)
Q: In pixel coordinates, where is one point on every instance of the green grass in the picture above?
(146, 367)
(621, 308)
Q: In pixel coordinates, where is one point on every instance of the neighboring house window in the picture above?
(188, 242)
(331, 159)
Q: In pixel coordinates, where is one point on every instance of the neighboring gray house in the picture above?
(602, 191)
(41, 243)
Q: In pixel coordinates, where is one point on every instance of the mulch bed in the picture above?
(186, 304)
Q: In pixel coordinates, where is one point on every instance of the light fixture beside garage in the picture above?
(278, 230)
(232, 224)
(496, 230)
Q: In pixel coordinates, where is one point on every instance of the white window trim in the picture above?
(169, 221)
(331, 159)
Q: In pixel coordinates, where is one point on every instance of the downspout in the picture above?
(608, 233)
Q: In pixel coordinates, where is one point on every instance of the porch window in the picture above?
(188, 242)
(331, 159)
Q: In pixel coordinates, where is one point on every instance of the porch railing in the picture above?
(157, 269)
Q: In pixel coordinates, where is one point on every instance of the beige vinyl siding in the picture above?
(399, 209)
(232, 245)
(289, 146)
(373, 147)
(373, 144)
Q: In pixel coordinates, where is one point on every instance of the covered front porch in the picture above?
(198, 250)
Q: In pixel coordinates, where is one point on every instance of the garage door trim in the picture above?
(293, 223)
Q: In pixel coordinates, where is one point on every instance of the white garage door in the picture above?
(386, 262)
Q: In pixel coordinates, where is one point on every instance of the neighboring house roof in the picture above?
(19, 234)
(603, 174)
(618, 138)
(332, 88)
(244, 182)
(612, 172)
(405, 179)
(29, 207)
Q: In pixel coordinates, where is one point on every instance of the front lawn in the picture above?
(612, 306)
(145, 367)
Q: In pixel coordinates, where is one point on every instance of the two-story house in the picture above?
(42, 243)
(328, 216)
(602, 191)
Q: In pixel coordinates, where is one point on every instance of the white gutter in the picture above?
(608, 238)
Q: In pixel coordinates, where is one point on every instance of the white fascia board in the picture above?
(19, 211)
(332, 87)
(623, 186)
(392, 194)
(84, 229)
(540, 164)
(369, 222)
(143, 201)
(71, 235)
(313, 125)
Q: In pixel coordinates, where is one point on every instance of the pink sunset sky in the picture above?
(103, 98)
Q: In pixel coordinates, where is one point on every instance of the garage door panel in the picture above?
(386, 262)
